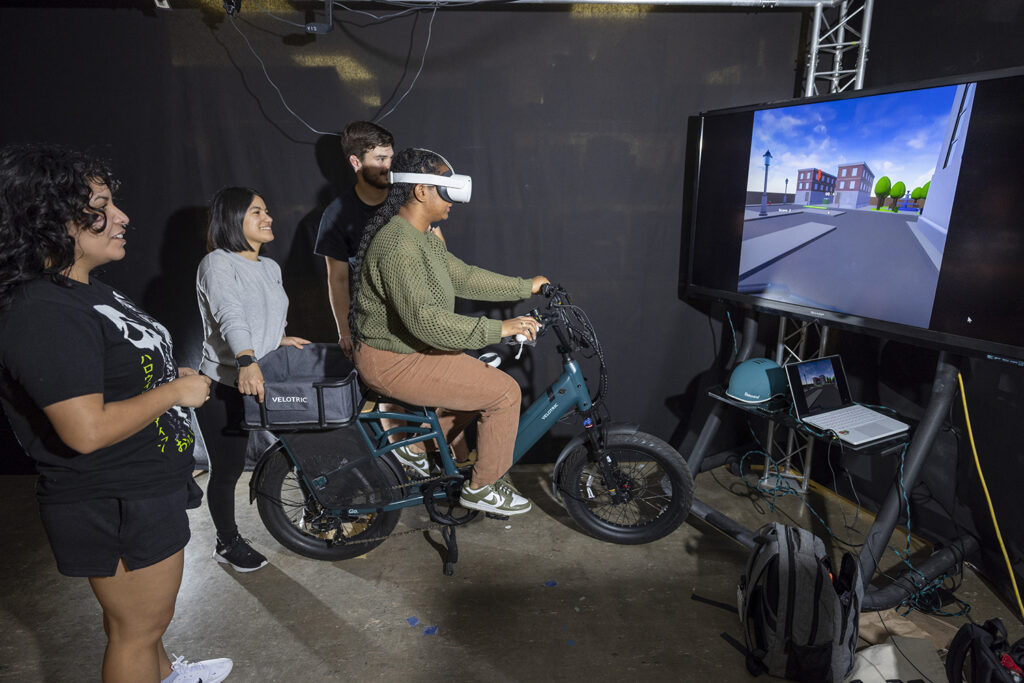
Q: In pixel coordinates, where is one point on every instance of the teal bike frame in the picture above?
(568, 392)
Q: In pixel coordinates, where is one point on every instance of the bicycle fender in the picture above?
(578, 440)
(261, 463)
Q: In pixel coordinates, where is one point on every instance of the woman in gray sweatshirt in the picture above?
(245, 310)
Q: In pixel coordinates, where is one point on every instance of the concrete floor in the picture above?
(532, 599)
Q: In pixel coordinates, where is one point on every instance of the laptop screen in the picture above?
(818, 386)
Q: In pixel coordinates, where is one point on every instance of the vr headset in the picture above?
(452, 187)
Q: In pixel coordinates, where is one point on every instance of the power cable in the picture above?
(988, 498)
(409, 10)
(423, 61)
(271, 81)
(271, 14)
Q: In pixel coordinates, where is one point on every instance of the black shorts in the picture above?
(89, 537)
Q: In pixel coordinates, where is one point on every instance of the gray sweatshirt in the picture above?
(243, 305)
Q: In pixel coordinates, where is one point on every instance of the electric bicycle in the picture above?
(338, 498)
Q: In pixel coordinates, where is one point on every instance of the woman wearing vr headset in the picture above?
(409, 341)
(89, 383)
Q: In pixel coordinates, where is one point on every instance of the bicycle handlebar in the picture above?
(573, 328)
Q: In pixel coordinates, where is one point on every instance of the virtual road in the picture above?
(826, 396)
(870, 265)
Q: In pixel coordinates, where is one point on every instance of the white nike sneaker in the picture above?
(417, 462)
(497, 497)
(207, 671)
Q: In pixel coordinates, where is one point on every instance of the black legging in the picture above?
(220, 419)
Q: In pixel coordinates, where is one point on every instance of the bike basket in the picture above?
(314, 388)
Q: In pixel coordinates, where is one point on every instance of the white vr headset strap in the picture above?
(459, 187)
(456, 180)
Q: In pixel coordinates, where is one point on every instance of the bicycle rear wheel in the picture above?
(296, 519)
(653, 482)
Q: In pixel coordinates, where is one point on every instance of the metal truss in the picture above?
(839, 47)
(836, 59)
(788, 454)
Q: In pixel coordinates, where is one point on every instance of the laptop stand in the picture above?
(875, 598)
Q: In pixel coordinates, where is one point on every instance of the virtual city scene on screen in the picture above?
(848, 202)
(818, 380)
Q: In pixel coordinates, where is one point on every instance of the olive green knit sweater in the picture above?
(406, 300)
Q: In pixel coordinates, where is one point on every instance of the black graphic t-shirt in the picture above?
(60, 342)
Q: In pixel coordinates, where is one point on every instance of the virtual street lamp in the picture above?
(785, 193)
(764, 194)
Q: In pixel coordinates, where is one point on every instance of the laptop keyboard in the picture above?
(847, 418)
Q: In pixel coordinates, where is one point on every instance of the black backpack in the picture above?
(800, 620)
(976, 652)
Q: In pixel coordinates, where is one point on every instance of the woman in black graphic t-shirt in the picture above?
(89, 384)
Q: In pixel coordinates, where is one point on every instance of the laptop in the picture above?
(821, 398)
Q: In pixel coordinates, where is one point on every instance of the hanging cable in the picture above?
(283, 21)
(280, 95)
(271, 81)
(735, 347)
(423, 61)
(374, 16)
(988, 498)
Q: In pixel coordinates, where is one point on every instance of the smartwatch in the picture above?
(245, 361)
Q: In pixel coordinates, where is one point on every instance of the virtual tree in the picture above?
(897, 191)
(882, 188)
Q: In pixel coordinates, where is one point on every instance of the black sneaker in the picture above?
(239, 554)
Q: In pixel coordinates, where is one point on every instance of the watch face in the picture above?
(245, 361)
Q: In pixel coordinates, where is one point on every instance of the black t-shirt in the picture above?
(61, 342)
(341, 226)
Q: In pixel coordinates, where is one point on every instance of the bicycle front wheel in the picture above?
(647, 497)
(296, 519)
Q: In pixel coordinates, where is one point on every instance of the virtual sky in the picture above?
(899, 135)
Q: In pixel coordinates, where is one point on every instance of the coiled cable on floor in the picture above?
(988, 498)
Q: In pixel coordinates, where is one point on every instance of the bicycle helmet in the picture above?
(756, 381)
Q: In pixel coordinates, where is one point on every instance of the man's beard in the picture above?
(376, 178)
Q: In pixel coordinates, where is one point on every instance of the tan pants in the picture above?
(460, 387)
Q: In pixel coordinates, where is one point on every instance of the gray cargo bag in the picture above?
(312, 388)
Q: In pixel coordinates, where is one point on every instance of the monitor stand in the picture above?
(875, 598)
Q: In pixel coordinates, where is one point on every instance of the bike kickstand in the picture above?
(452, 553)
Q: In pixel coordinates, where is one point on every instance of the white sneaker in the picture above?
(498, 498)
(206, 671)
(417, 462)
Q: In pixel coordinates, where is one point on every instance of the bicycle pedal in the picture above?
(495, 515)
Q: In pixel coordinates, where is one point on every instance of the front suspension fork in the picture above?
(597, 437)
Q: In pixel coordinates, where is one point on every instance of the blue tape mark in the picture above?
(430, 630)
(550, 583)
(413, 621)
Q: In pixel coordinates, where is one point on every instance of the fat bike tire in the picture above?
(298, 522)
(656, 477)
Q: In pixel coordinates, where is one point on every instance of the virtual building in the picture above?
(814, 186)
(855, 185)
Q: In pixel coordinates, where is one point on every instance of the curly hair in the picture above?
(44, 188)
(407, 161)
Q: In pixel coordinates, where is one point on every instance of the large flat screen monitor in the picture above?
(896, 211)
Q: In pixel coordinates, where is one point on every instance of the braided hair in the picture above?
(407, 161)
(43, 189)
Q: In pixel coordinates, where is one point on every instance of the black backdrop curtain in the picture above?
(572, 121)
